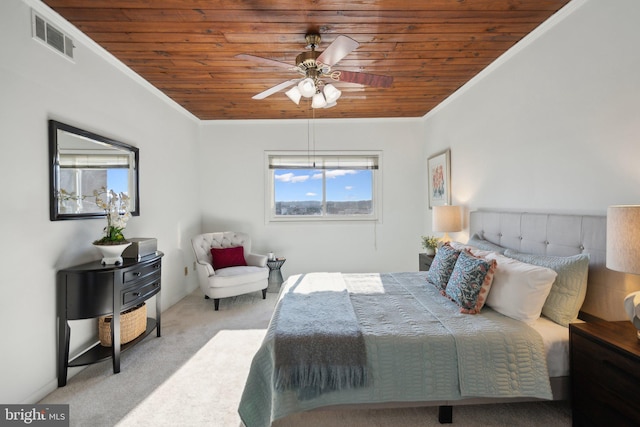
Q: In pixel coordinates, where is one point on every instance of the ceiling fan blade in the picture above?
(265, 61)
(341, 47)
(274, 89)
(365, 79)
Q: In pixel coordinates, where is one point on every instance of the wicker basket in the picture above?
(133, 323)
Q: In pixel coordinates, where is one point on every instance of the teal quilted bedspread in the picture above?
(419, 348)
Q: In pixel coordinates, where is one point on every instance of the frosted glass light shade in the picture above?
(294, 94)
(307, 87)
(623, 238)
(318, 101)
(331, 93)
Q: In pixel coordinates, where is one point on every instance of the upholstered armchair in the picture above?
(230, 269)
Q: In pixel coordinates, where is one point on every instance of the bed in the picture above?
(398, 339)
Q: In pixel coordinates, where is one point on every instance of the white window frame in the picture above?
(269, 192)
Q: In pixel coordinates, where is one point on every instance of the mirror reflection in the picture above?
(82, 164)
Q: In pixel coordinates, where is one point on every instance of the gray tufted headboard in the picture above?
(563, 235)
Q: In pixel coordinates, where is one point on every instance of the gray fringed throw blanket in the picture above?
(318, 343)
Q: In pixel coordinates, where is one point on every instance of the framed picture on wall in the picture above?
(439, 170)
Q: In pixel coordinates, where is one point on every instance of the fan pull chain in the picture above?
(313, 110)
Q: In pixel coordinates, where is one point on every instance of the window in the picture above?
(326, 186)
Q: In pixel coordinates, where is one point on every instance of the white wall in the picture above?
(556, 125)
(232, 168)
(37, 84)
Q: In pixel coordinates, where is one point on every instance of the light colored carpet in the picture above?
(194, 375)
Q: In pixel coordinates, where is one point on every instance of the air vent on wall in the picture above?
(53, 37)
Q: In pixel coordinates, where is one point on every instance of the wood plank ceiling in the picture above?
(187, 48)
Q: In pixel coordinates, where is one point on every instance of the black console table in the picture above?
(92, 290)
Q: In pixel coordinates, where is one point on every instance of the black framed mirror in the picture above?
(81, 162)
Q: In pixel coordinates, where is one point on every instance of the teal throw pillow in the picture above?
(485, 245)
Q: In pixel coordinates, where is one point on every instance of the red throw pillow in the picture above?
(227, 257)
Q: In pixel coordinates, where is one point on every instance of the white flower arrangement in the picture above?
(116, 207)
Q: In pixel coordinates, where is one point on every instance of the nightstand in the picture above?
(605, 374)
(275, 275)
(424, 261)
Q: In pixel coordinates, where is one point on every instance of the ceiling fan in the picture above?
(316, 66)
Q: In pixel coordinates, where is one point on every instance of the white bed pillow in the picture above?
(519, 290)
(570, 288)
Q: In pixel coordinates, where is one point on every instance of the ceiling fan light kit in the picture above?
(316, 66)
(308, 88)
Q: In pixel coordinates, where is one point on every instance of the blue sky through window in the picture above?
(118, 180)
(306, 185)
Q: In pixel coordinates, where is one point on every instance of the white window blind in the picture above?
(92, 161)
(330, 162)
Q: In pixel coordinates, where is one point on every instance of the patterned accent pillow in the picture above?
(442, 266)
(570, 287)
(470, 282)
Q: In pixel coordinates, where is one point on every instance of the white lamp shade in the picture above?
(294, 94)
(446, 218)
(318, 101)
(623, 238)
(331, 93)
(307, 87)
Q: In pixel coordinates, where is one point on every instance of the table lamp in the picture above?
(446, 219)
(623, 251)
